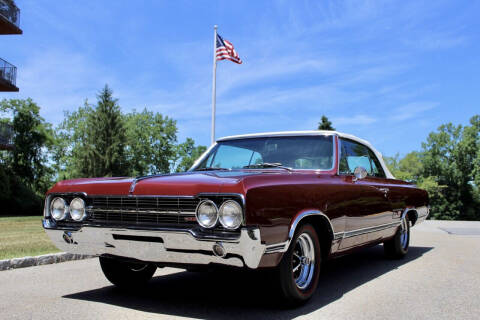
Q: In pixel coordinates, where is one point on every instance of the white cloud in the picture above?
(359, 119)
(411, 110)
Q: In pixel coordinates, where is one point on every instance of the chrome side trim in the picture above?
(353, 233)
(338, 235)
(277, 247)
(304, 214)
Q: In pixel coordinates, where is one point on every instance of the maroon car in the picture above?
(285, 201)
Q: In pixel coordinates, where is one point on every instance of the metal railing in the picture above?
(6, 135)
(9, 11)
(8, 71)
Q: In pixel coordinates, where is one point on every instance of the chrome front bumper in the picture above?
(167, 246)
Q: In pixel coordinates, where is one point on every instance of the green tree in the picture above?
(24, 173)
(447, 167)
(151, 140)
(32, 138)
(105, 137)
(325, 124)
(408, 168)
(187, 153)
(70, 143)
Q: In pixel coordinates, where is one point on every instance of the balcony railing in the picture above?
(6, 136)
(9, 11)
(8, 72)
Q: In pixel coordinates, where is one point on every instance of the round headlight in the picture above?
(77, 209)
(230, 214)
(58, 209)
(207, 214)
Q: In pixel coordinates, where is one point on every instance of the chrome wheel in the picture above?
(303, 261)
(404, 233)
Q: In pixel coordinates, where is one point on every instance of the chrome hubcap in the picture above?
(404, 233)
(303, 261)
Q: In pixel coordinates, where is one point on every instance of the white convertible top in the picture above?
(314, 133)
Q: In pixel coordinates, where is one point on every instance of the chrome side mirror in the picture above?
(359, 173)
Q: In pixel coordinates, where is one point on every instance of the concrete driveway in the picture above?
(439, 279)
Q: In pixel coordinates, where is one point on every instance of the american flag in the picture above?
(225, 50)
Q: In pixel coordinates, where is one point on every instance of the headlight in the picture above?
(58, 209)
(207, 214)
(231, 215)
(77, 209)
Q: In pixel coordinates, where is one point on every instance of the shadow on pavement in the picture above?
(246, 294)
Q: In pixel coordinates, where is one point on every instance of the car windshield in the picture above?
(295, 152)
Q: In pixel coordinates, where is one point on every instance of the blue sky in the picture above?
(387, 71)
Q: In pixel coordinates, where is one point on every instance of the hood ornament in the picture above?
(132, 186)
(137, 179)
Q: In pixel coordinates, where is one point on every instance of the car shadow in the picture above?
(246, 294)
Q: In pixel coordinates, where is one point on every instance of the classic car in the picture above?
(287, 201)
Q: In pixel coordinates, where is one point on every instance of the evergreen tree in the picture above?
(105, 139)
(325, 124)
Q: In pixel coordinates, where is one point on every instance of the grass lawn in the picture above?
(23, 236)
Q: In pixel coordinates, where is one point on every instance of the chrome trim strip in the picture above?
(304, 214)
(353, 233)
(277, 247)
(283, 246)
(338, 235)
(221, 194)
(185, 213)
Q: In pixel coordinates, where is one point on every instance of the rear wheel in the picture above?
(397, 247)
(299, 269)
(126, 274)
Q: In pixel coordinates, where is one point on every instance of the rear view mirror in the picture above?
(359, 173)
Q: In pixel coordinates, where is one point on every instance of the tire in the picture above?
(296, 287)
(126, 274)
(397, 247)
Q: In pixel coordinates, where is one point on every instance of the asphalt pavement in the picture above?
(439, 279)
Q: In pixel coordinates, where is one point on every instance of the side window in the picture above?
(377, 170)
(353, 154)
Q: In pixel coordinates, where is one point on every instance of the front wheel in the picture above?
(126, 274)
(397, 247)
(299, 269)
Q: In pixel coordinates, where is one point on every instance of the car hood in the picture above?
(187, 183)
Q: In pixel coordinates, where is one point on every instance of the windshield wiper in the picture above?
(211, 169)
(267, 165)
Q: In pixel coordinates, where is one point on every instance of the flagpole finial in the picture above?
(215, 27)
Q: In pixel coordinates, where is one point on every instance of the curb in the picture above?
(40, 260)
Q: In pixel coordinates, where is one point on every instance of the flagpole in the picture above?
(214, 81)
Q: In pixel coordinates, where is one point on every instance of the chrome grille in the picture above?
(128, 210)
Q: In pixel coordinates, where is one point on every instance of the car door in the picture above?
(366, 206)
